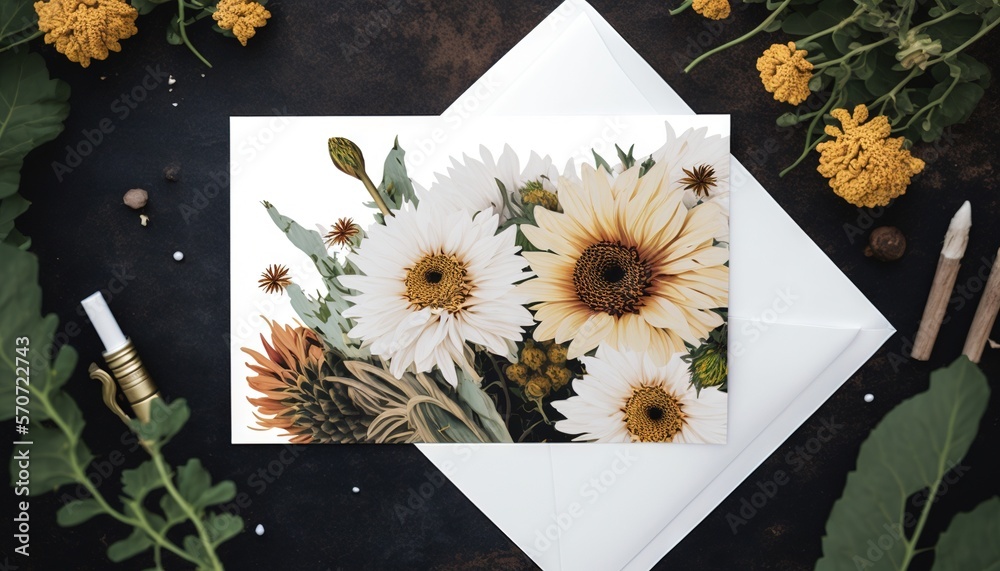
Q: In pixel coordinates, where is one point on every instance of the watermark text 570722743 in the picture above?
(22, 402)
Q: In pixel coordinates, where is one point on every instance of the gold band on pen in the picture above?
(128, 373)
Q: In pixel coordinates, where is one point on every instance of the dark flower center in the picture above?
(611, 278)
(653, 415)
(437, 281)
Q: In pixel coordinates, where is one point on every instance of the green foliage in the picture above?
(18, 23)
(904, 60)
(910, 451)
(32, 110)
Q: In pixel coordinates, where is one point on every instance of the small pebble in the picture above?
(172, 172)
(356, 489)
(174, 104)
(170, 80)
(136, 198)
(259, 530)
(869, 397)
(143, 219)
(178, 255)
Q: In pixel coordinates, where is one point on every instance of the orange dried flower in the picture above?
(86, 29)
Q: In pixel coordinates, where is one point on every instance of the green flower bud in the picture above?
(347, 157)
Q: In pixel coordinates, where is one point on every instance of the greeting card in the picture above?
(559, 279)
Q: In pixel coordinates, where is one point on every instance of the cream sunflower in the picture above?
(432, 283)
(472, 184)
(626, 397)
(699, 164)
(627, 265)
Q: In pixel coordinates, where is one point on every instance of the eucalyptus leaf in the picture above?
(911, 449)
(396, 184)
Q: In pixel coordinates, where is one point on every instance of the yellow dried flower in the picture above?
(535, 193)
(558, 376)
(865, 166)
(533, 357)
(242, 17)
(517, 373)
(557, 354)
(537, 387)
(785, 72)
(86, 29)
(712, 9)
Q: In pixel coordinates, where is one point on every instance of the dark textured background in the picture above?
(429, 54)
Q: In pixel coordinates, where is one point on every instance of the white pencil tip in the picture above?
(957, 237)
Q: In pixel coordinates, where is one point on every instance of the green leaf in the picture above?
(222, 527)
(911, 449)
(396, 184)
(174, 37)
(139, 481)
(970, 542)
(195, 485)
(171, 509)
(32, 110)
(10, 208)
(131, 546)
(18, 20)
(77, 512)
(165, 421)
(470, 394)
(600, 162)
(146, 6)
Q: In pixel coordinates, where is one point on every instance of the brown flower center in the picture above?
(610, 277)
(653, 415)
(437, 281)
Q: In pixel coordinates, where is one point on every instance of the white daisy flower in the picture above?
(625, 397)
(434, 282)
(472, 184)
(699, 164)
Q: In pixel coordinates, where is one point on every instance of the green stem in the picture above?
(740, 39)
(810, 144)
(831, 29)
(884, 99)
(681, 8)
(181, 27)
(982, 32)
(503, 385)
(379, 201)
(79, 473)
(937, 20)
(23, 40)
(930, 106)
(195, 518)
(853, 52)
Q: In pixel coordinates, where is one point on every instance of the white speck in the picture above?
(103, 77)
(203, 75)
(178, 255)
(356, 489)
(170, 80)
(259, 530)
(869, 397)
(171, 90)
(143, 219)
(174, 104)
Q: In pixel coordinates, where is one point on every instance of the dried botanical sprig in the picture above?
(343, 231)
(86, 29)
(274, 279)
(701, 179)
(242, 17)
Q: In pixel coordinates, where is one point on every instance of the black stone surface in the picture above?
(426, 56)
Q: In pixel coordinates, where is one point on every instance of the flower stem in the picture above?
(182, 28)
(681, 8)
(23, 40)
(853, 52)
(743, 38)
(379, 201)
(937, 20)
(810, 144)
(930, 106)
(188, 509)
(831, 29)
(503, 385)
(884, 99)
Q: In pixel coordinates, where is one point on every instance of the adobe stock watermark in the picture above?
(247, 151)
(754, 329)
(375, 22)
(768, 488)
(121, 109)
(590, 493)
(417, 497)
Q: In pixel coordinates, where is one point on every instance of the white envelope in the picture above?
(798, 330)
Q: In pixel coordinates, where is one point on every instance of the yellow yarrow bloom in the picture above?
(242, 17)
(86, 29)
(785, 72)
(865, 166)
(712, 9)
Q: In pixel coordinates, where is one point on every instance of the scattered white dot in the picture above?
(203, 75)
(171, 90)
(869, 397)
(259, 530)
(174, 104)
(356, 489)
(170, 80)
(178, 255)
